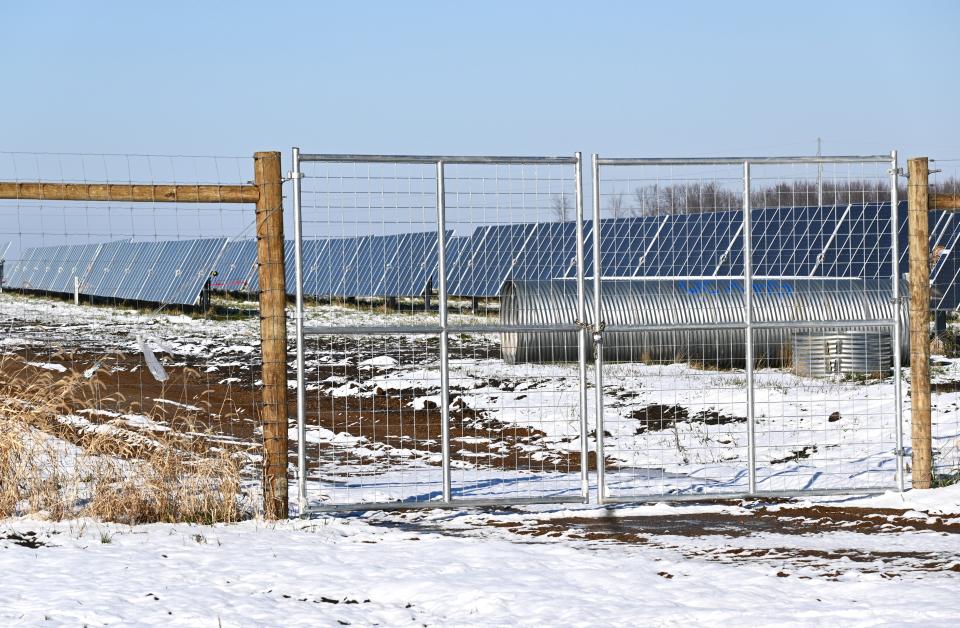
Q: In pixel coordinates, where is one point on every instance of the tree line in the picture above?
(712, 196)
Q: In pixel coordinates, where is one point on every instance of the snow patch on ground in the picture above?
(339, 571)
(49, 366)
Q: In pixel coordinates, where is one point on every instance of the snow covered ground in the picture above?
(667, 427)
(882, 560)
(438, 568)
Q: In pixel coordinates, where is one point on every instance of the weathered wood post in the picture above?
(919, 234)
(273, 332)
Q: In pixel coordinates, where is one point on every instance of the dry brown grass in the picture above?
(55, 463)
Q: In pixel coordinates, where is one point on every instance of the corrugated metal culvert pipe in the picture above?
(689, 316)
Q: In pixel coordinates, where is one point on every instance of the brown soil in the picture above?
(229, 412)
(791, 521)
(657, 417)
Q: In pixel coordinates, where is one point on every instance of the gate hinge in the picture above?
(896, 300)
(582, 324)
(897, 171)
(294, 175)
(900, 452)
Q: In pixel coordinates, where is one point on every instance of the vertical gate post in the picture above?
(598, 326)
(444, 334)
(897, 314)
(295, 176)
(919, 234)
(273, 331)
(582, 338)
(748, 330)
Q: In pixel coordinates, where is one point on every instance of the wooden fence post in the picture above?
(273, 332)
(919, 235)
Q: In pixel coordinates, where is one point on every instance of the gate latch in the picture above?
(598, 333)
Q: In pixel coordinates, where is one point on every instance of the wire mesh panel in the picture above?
(832, 421)
(746, 326)
(407, 398)
(107, 331)
(518, 429)
(372, 432)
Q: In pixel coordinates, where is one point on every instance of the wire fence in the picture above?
(112, 338)
(466, 332)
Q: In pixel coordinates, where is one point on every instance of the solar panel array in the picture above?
(366, 266)
(840, 241)
(171, 272)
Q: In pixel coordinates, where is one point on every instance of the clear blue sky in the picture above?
(630, 78)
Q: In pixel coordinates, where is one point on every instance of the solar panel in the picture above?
(459, 258)
(17, 270)
(415, 263)
(141, 270)
(41, 266)
(45, 267)
(652, 244)
(315, 269)
(125, 263)
(170, 272)
(105, 267)
(192, 269)
(366, 268)
(946, 270)
(28, 266)
(343, 265)
(75, 263)
(549, 252)
(495, 261)
(235, 266)
(707, 240)
(622, 242)
(787, 241)
(312, 254)
(324, 275)
(289, 266)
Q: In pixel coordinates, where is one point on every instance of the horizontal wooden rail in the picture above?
(137, 193)
(950, 202)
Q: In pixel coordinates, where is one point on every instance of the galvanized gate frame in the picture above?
(748, 325)
(590, 336)
(442, 331)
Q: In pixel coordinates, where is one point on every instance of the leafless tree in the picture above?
(615, 206)
(561, 207)
(711, 196)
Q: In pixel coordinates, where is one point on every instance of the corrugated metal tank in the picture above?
(668, 302)
(848, 352)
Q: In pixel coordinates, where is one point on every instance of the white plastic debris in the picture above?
(153, 364)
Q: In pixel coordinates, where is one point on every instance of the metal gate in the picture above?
(744, 323)
(403, 396)
(748, 326)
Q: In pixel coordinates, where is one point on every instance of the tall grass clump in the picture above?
(57, 464)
